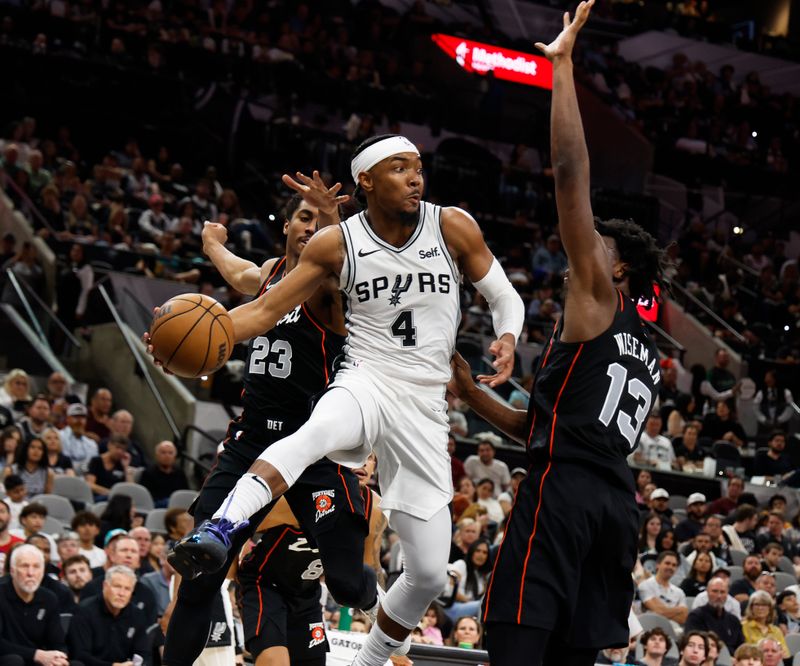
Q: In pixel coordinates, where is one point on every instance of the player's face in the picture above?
(301, 227)
(396, 185)
(365, 473)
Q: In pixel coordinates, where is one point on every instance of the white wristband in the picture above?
(508, 311)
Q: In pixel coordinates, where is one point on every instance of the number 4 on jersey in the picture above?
(629, 427)
(403, 328)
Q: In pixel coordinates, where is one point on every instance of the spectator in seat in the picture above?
(683, 413)
(154, 222)
(720, 383)
(467, 633)
(178, 523)
(145, 540)
(693, 648)
(117, 515)
(655, 645)
(67, 545)
(31, 521)
(790, 608)
(159, 581)
(76, 573)
(699, 574)
(486, 499)
(122, 424)
(771, 651)
(506, 498)
(31, 466)
(458, 422)
(484, 465)
(654, 449)
(689, 455)
(109, 468)
(122, 550)
(660, 596)
(66, 603)
(87, 526)
(713, 616)
(469, 584)
(723, 426)
(74, 442)
(30, 623)
(37, 418)
(731, 605)
(719, 547)
(746, 585)
(99, 415)
(108, 628)
(456, 466)
(7, 540)
(75, 282)
(659, 499)
(748, 655)
(775, 533)
(16, 491)
(724, 505)
(741, 535)
(774, 462)
(773, 404)
(693, 524)
(58, 392)
(164, 477)
(16, 392)
(759, 621)
(204, 208)
(468, 531)
(60, 464)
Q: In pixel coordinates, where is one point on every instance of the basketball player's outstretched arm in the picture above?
(513, 422)
(467, 247)
(316, 193)
(591, 288)
(321, 258)
(243, 275)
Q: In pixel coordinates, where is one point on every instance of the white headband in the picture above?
(378, 152)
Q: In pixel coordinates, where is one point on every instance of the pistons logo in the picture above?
(317, 634)
(323, 502)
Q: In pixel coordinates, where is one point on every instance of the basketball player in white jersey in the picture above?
(398, 265)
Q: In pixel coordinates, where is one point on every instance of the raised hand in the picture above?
(503, 352)
(561, 46)
(214, 232)
(315, 192)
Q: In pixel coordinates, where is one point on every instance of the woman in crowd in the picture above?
(683, 413)
(118, 514)
(10, 438)
(57, 460)
(648, 535)
(722, 425)
(760, 621)
(433, 620)
(467, 633)
(157, 546)
(698, 576)
(642, 479)
(16, 392)
(471, 574)
(31, 466)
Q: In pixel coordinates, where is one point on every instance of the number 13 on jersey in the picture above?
(629, 427)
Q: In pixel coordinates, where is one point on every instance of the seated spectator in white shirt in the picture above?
(654, 449)
(87, 526)
(660, 596)
(485, 465)
(74, 442)
(486, 499)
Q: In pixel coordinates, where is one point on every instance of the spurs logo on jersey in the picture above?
(400, 299)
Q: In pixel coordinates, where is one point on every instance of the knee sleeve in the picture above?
(341, 549)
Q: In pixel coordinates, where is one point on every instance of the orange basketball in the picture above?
(192, 335)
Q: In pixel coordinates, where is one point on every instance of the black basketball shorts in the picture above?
(566, 559)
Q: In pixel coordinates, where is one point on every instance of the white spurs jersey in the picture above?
(402, 302)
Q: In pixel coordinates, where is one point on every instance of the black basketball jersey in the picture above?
(286, 366)
(590, 400)
(285, 560)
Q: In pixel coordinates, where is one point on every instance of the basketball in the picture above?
(192, 335)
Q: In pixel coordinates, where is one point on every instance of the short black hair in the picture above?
(638, 249)
(664, 554)
(84, 518)
(290, 207)
(13, 481)
(34, 508)
(744, 512)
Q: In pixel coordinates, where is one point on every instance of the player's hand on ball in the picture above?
(461, 381)
(316, 192)
(503, 352)
(146, 340)
(214, 232)
(561, 46)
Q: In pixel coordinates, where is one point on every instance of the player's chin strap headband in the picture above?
(378, 152)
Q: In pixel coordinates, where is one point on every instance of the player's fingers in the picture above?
(567, 20)
(292, 183)
(343, 199)
(542, 47)
(305, 179)
(335, 188)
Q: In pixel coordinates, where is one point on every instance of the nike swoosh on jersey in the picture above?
(361, 253)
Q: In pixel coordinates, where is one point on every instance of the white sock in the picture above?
(377, 648)
(250, 494)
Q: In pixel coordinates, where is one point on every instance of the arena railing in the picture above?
(689, 296)
(428, 655)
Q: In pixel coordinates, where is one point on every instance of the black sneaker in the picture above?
(205, 549)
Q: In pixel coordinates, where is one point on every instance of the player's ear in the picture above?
(365, 181)
(286, 228)
(620, 270)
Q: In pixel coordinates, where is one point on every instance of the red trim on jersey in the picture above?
(621, 301)
(346, 491)
(541, 483)
(258, 580)
(278, 264)
(544, 362)
(322, 343)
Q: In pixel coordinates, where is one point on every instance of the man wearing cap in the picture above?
(506, 498)
(692, 525)
(154, 221)
(74, 442)
(485, 466)
(658, 505)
